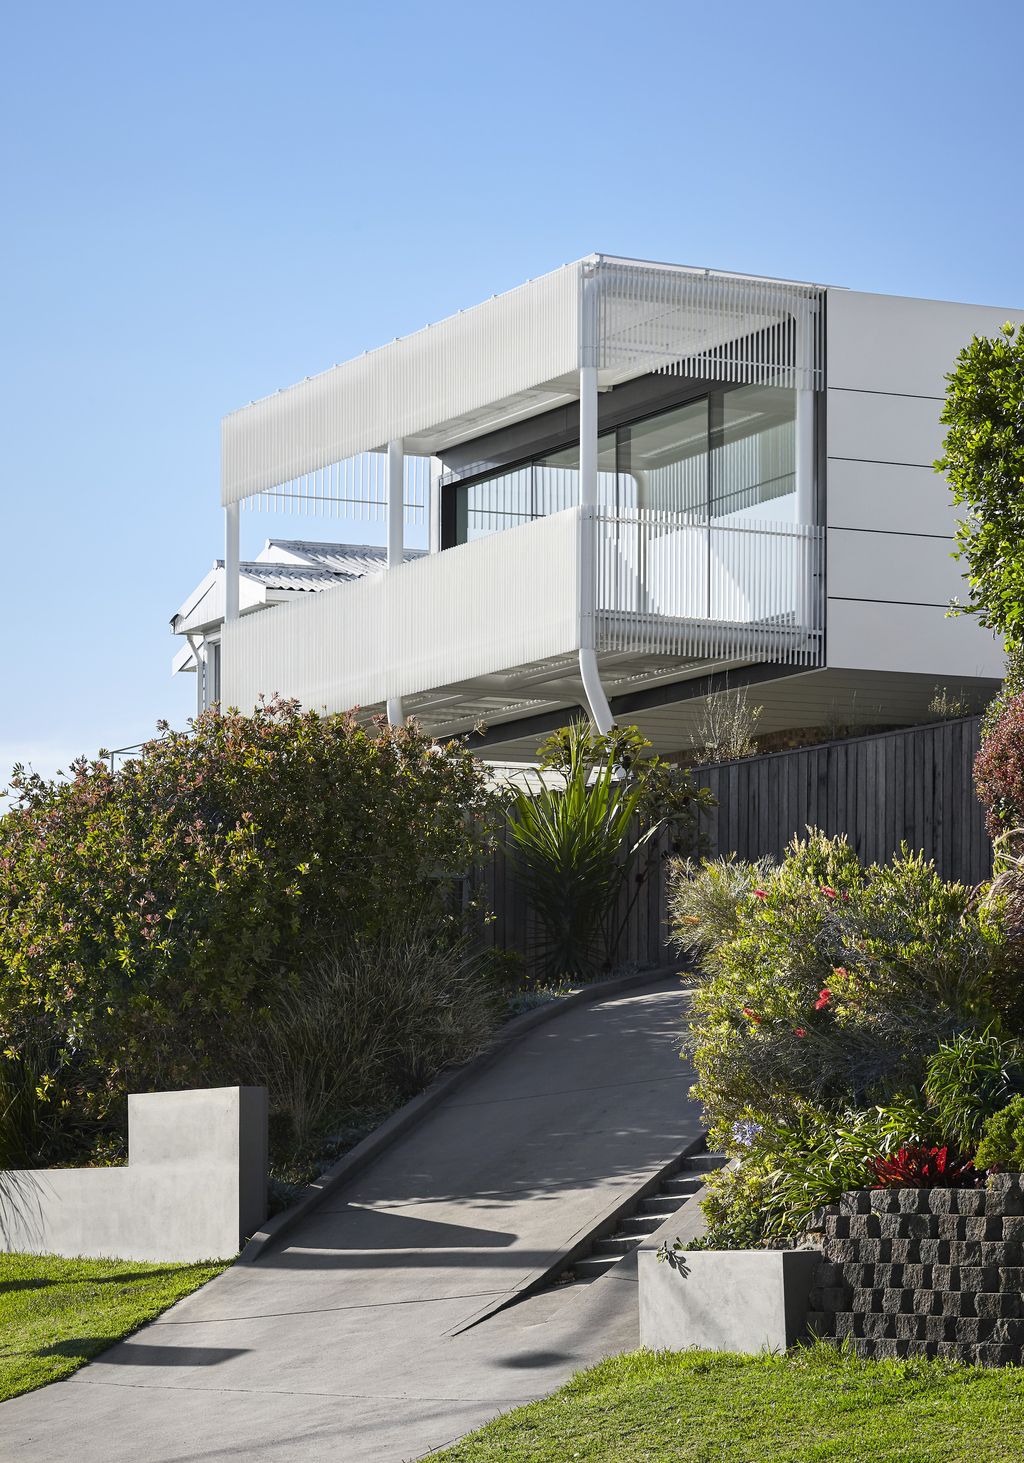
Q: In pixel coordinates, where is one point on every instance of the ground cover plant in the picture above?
(57, 1314)
(165, 924)
(814, 1404)
(845, 1014)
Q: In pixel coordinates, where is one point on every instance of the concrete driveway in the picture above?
(350, 1341)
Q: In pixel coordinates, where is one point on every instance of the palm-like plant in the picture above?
(574, 845)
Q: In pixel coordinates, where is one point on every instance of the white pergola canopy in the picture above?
(515, 356)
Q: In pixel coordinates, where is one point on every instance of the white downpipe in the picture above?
(396, 540)
(597, 701)
(231, 556)
(436, 469)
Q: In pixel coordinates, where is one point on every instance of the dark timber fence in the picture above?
(913, 786)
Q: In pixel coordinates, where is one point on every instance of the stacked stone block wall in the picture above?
(925, 1272)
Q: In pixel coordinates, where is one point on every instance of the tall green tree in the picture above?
(983, 461)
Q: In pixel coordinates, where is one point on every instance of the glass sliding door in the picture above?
(753, 453)
(664, 461)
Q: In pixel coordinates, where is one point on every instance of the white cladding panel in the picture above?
(887, 362)
(476, 610)
(887, 343)
(893, 566)
(881, 494)
(871, 426)
(865, 635)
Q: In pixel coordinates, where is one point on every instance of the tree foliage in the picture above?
(983, 460)
(144, 911)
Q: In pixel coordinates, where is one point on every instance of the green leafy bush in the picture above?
(575, 840)
(145, 912)
(366, 1026)
(837, 983)
(790, 1170)
(1002, 1139)
(968, 1079)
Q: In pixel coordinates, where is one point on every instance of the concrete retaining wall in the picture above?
(194, 1186)
(725, 1300)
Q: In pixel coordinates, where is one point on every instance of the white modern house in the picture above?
(643, 482)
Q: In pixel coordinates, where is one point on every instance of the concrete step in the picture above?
(615, 1247)
(593, 1266)
(638, 1225)
(702, 1163)
(683, 1186)
(664, 1204)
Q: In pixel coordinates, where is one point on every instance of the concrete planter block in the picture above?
(726, 1300)
(194, 1186)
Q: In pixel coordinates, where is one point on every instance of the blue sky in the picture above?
(206, 202)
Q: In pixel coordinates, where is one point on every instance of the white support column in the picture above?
(231, 555)
(436, 469)
(597, 701)
(805, 457)
(396, 540)
(198, 654)
(396, 502)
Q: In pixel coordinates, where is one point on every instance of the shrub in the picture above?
(576, 839)
(145, 912)
(366, 1026)
(999, 766)
(968, 1079)
(919, 1167)
(835, 986)
(1002, 1139)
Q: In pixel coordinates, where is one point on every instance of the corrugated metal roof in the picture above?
(352, 560)
(294, 576)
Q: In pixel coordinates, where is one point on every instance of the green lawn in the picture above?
(56, 1314)
(816, 1404)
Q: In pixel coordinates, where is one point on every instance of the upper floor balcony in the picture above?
(617, 464)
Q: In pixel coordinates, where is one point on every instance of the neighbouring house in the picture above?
(643, 483)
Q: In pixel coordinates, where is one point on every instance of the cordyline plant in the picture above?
(576, 840)
(143, 911)
(918, 1167)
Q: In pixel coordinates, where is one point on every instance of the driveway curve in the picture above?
(360, 1336)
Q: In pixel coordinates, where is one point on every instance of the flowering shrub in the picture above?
(917, 1167)
(143, 911)
(999, 765)
(827, 983)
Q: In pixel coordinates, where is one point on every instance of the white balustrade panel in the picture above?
(479, 609)
(668, 583)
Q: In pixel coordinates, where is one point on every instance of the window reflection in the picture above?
(729, 455)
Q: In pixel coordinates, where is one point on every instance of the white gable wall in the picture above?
(890, 523)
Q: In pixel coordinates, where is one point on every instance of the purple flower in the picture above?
(745, 1133)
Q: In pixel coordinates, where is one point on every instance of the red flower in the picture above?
(799, 1031)
(840, 970)
(829, 892)
(824, 996)
(760, 894)
(752, 1015)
